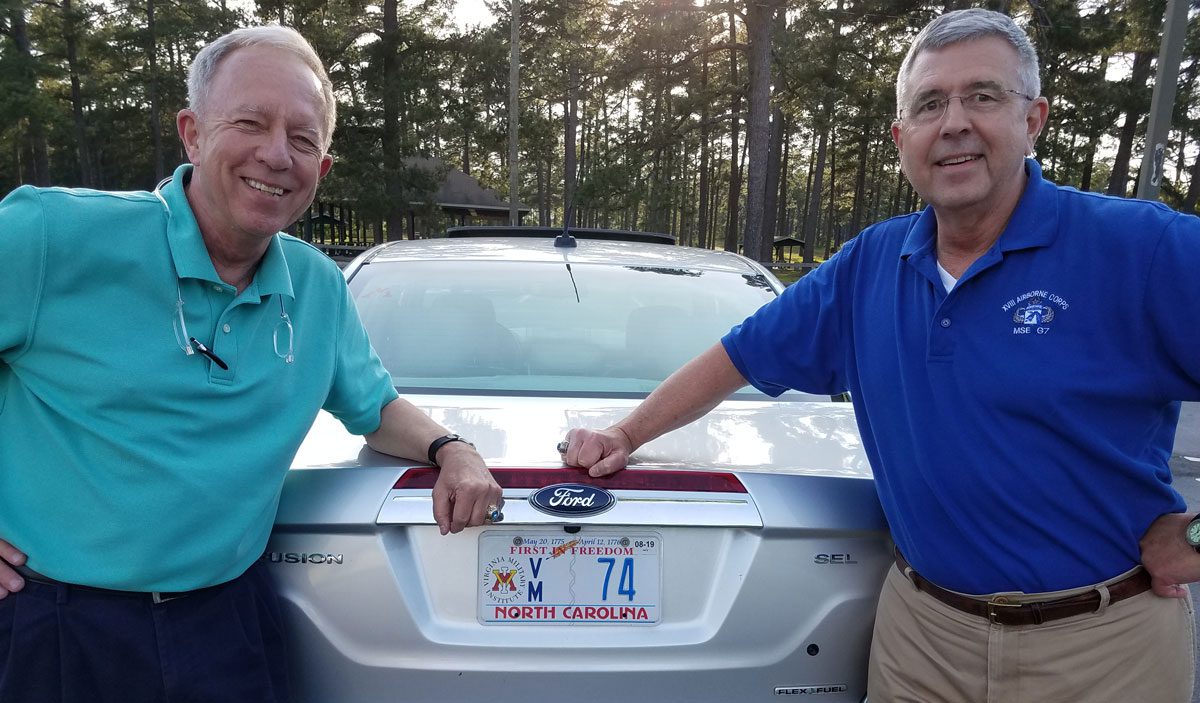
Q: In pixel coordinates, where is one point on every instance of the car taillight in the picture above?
(629, 479)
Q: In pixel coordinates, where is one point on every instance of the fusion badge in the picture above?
(572, 500)
(811, 690)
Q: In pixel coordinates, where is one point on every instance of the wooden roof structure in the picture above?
(462, 195)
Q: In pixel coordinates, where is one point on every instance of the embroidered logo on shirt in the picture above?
(1033, 311)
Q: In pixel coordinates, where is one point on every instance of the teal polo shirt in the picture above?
(124, 462)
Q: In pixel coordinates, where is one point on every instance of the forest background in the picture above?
(726, 124)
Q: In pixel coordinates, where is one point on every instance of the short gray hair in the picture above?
(204, 66)
(965, 25)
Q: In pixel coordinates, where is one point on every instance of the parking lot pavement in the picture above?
(1187, 438)
(1185, 467)
(1185, 463)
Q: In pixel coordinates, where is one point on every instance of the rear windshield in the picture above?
(539, 328)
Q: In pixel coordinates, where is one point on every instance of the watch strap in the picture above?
(442, 441)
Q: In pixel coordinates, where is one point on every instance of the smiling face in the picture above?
(969, 164)
(258, 148)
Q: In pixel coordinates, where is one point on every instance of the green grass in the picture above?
(788, 276)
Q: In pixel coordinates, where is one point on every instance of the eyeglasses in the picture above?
(282, 338)
(284, 326)
(981, 102)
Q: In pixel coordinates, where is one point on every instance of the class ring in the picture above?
(493, 514)
(563, 446)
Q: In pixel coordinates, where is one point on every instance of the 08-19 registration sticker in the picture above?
(529, 577)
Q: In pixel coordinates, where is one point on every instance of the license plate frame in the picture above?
(543, 577)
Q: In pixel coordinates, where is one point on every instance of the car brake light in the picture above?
(629, 479)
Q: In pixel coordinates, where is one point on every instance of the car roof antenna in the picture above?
(565, 239)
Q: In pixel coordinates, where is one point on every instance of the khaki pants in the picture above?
(1140, 650)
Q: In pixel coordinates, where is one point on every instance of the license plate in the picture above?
(593, 578)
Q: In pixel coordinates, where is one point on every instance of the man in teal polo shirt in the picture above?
(162, 355)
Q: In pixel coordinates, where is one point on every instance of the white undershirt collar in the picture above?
(947, 280)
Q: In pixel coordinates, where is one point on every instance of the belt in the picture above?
(1000, 611)
(153, 596)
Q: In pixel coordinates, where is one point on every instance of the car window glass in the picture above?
(538, 327)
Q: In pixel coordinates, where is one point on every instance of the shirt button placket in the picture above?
(941, 340)
(225, 341)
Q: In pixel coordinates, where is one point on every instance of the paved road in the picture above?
(1186, 469)
(1185, 466)
(1187, 439)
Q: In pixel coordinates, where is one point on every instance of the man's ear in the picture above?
(188, 125)
(1035, 120)
(326, 164)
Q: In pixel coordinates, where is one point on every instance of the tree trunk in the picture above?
(35, 158)
(814, 211)
(1089, 160)
(860, 180)
(735, 182)
(814, 197)
(1095, 128)
(514, 117)
(832, 232)
(543, 204)
(466, 157)
(655, 205)
(570, 120)
(758, 126)
(70, 37)
(155, 116)
(803, 199)
(1135, 106)
(714, 201)
(782, 227)
(583, 163)
(702, 223)
(676, 175)
(877, 185)
(1193, 191)
(393, 186)
(767, 239)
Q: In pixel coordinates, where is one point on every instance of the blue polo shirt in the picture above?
(1019, 426)
(124, 462)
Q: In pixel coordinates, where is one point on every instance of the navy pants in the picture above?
(62, 644)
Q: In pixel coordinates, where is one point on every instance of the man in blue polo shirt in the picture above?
(162, 355)
(1016, 354)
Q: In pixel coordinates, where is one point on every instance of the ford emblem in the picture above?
(572, 500)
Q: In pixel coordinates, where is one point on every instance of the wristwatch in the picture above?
(1192, 533)
(442, 441)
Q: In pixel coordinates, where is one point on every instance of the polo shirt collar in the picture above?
(1034, 222)
(191, 256)
(273, 275)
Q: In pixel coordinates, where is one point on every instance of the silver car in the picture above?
(737, 559)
